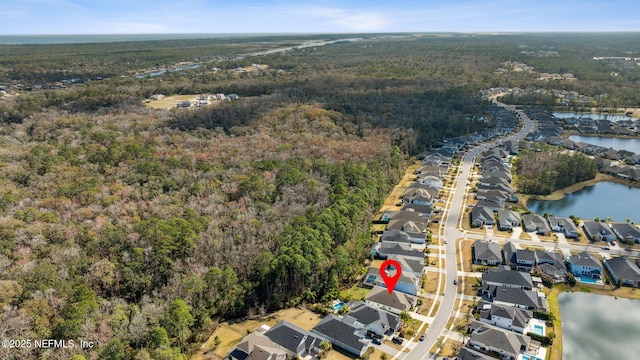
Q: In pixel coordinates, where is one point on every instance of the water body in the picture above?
(598, 327)
(610, 117)
(603, 200)
(630, 144)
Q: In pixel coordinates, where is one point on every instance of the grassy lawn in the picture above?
(413, 326)
(426, 305)
(378, 228)
(466, 255)
(450, 348)
(355, 293)
(431, 284)
(469, 282)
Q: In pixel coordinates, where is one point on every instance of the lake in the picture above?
(632, 145)
(604, 199)
(598, 327)
(610, 117)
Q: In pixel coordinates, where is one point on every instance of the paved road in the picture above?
(453, 213)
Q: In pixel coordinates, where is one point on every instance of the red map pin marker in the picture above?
(390, 281)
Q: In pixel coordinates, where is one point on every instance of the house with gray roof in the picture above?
(598, 231)
(505, 317)
(623, 270)
(342, 333)
(409, 264)
(509, 250)
(294, 339)
(515, 297)
(394, 302)
(470, 354)
(535, 223)
(551, 264)
(525, 260)
(374, 320)
(508, 278)
(507, 220)
(584, 264)
(627, 233)
(508, 344)
(395, 236)
(486, 253)
(563, 225)
(423, 210)
(416, 230)
(408, 282)
(481, 215)
(256, 346)
(385, 249)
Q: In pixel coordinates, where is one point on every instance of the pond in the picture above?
(598, 327)
(603, 200)
(632, 145)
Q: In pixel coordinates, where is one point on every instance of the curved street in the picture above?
(450, 231)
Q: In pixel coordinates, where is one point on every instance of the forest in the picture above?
(142, 229)
(541, 169)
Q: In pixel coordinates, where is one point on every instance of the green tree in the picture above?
(113, 350)
(179, 321)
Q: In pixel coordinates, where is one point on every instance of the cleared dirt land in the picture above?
(169, 102)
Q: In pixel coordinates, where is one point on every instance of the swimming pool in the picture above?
(529, 357)
(538, 329)
(587, 280)
(338, 305)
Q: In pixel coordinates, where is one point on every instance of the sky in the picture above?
(38, 17)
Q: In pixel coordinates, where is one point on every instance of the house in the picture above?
(584, 265)
(489, 339)
(293, 339)
(626, 232)
(505, 317)
(624, 271)
(469, 354)
(279, 342)
(535, 223)
(481, 215)
(415, 230)
(385, 249)
(525, 260)
(408, 282)
(342, 333)
(507, 278)
(433, 181)
(508, 219)
(423, 195)
(374, 320)
(563, 225)
(551, 264)
(394, 302)
(395, 236)
(423, 210)
(597, 231)
(257, 346)
(515, 297)
(509, 253)
(409, 264)
(486, 253)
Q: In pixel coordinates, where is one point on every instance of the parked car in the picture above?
(397, 340)
(376, 341)
(605, 248)
(422, 337)
(455, 281)
(613, 243)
